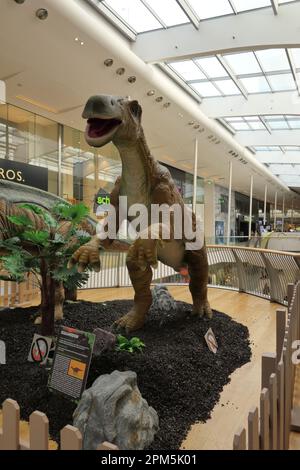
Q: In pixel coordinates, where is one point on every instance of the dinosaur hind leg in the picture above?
(141, 281)
(198, 270)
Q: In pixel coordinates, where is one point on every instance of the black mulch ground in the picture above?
(177, 374)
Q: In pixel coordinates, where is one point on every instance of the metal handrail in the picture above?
(261, 272)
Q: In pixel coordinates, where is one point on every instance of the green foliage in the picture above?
(75, 214)
(15, 265)
(50, 247)
(131, 345)
(37, 237)
(20, 220)
(75, 280)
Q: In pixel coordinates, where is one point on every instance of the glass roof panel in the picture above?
(244, 5)
(291, 148)
(169, 11)
(227, 87)
(257, 126)
(296, 56)
(278, 125)
(240, 126)
(243, 63)
(188, 70)
(282, 169)
(262, 148)
(211, 8)
(273, 60)
(135, 14)
(256, 84)
(205, 89)
(212, 67)
(282, 82)
(294, 123)
(234, 119)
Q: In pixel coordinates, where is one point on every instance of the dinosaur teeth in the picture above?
(99, 127)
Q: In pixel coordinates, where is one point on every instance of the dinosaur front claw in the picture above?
(130, 322)
(202, 310)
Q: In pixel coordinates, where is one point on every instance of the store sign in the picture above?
(71, 362)
(102, 200)
(23, 173)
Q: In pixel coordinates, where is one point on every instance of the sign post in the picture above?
(72, 358)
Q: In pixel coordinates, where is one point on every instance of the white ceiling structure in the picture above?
(200, 73)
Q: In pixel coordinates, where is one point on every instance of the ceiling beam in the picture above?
(189, 12)
(234, 32)
(262, 138)
(274, 4)
(287, 102)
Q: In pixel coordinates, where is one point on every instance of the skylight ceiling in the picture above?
(243, 73)
(268, 123)
(147, 15)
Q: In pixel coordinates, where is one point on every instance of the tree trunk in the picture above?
(48, 301)
(71, 294)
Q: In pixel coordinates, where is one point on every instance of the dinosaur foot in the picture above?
(130, 322)
(202, 310)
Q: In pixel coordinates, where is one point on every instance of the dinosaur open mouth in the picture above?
(99, 127)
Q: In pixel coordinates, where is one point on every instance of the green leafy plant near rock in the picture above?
(45, 252)
(130, 345)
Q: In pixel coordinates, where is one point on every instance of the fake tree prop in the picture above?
(45, 252)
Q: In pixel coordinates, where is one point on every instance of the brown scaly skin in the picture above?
(144, 181)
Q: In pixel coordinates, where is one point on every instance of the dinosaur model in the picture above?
(143, 181)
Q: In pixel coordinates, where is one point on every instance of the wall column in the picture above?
(229, 202)
(283, 208)
(265, 204)
(275, 211)
(195, 176)
(250, 209)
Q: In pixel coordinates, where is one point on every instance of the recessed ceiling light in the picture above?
(196, 126)
(180, 115)
(42, 14)
(151, 93)
(82, 43)
(167, 105)
(159, 99)
(191, 123)
(132, 79)
(108, 62)
(76, 39)
(120, 71)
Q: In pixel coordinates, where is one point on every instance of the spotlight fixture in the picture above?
(132, 79)
(120, 71)
(167, 105)
(81, 43)
(108, 62)
(42, 14)
(76, 39)
(196, 126)
(20, 1)
(151, 93)
(201, 130)
(159, 99)
(191, 123)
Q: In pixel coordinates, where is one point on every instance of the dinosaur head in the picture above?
(111, 118)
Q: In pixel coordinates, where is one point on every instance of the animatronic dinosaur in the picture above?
(143, 181)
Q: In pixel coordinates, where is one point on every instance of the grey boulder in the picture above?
(113, 410)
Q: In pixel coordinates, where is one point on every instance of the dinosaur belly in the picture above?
(172, 254)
